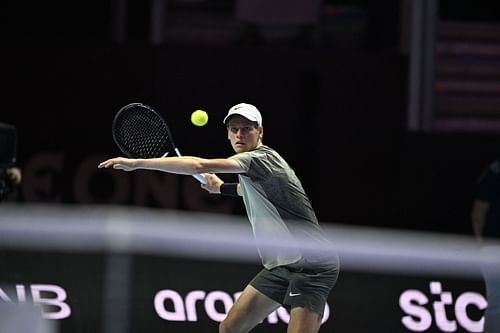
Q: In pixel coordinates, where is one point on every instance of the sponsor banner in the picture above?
(82, 292)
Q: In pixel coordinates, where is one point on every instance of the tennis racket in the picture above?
(141, 132)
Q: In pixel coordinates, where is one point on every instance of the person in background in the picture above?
(485, 216)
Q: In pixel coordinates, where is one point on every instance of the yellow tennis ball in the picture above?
(199, 118)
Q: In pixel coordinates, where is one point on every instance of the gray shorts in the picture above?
(297, 285)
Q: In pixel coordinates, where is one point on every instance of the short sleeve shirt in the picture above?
(277, 206)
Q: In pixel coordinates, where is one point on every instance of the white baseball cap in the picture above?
(246, 110)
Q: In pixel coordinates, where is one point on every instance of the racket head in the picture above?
(141, 132)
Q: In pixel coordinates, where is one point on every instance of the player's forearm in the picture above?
(184, 165)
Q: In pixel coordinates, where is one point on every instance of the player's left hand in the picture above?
(213, 183)
(120, 163)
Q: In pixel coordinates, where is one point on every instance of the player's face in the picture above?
(245, 135)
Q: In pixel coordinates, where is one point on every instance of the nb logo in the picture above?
(51, 297)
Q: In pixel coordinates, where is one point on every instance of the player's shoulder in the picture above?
(259, 150)
(265, 149)
(260, 153)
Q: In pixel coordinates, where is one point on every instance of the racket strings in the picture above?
(142, 133)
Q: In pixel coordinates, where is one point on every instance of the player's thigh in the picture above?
(303, 320)
(251, 308)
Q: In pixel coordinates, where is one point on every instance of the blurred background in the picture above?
(387, 110)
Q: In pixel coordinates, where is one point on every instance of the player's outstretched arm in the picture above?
(183, 165)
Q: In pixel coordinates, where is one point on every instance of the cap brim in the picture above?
(240, 114)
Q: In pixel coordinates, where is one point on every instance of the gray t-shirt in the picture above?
(278, 208)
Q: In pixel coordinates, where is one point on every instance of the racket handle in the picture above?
(200, 178)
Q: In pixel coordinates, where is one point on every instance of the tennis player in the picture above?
(298, 277)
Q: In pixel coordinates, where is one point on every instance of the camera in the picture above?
(8, 143)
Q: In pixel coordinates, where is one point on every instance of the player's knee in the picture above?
(225, 327)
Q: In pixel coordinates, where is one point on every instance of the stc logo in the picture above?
(171, 306)
(419, 318)
(47, 295)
